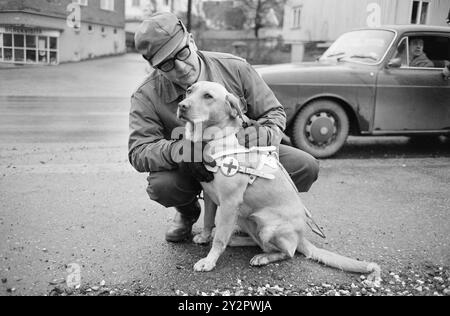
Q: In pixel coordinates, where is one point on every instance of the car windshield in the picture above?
(365, 46)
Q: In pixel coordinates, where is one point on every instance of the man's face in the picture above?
(185, 72)
(416, 47)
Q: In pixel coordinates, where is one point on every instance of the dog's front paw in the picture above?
(202, 239)
(374, 278)
(260, 260)
(204, 265)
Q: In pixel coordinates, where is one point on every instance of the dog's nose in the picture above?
(184, 105)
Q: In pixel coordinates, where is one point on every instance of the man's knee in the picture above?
(313, 168)
(172, 189)
(302, 167)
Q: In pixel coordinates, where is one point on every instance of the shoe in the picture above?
(181, 228)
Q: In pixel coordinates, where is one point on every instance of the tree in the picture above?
(189, 16)
(259, 10)
(235, 18)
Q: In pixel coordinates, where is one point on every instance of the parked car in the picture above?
(369, 82)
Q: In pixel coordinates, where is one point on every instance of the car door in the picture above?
(412, 98)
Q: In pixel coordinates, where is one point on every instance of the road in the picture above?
(68, 195)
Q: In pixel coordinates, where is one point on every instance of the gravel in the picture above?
(429, 281)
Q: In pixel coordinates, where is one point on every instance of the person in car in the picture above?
(417, 57)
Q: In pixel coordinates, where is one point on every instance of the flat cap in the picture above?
(159, 35)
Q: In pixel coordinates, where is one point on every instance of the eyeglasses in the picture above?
(183, 54)
(169, 64)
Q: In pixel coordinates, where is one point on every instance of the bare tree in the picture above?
(258, 10)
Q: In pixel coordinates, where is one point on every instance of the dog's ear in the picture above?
(234, 104)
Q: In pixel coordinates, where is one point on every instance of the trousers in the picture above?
(177, 189)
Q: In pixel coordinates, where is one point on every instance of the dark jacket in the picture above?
(154, 106)
(421, 61)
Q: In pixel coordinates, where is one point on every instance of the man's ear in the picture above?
(192, 42)
(234, 104)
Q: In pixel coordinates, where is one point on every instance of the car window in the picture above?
(364, 46)
(424, 51)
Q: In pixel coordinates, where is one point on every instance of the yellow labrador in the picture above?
(269, 210)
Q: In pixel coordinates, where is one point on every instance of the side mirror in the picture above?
(395, 63)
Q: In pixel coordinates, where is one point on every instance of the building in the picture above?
(56, 31)
(137, 10)
(312, 21)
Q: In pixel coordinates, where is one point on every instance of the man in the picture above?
(416, 55)
(165, 43)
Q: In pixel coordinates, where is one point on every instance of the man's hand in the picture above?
(190, 158)
(255, 135)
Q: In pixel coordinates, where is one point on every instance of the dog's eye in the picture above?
(207, 96)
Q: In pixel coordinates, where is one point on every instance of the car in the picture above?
(371, 81)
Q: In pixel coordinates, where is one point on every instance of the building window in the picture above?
(297, 14)
(419, 12)
(28, 49)
(107, 5)
(136, 3)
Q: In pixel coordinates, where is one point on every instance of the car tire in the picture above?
(321, 128)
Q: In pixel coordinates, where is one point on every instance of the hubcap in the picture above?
(321, 128)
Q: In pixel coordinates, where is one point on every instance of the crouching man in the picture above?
(164, 42)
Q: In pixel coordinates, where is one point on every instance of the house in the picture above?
(137, 10)
(318, 21)
(52, 32)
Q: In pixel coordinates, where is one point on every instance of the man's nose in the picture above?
(179, 65)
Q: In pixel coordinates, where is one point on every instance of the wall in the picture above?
(74, 45)
(85, 44)
(325, 20)
(11, 4)
(268, 49)
(57, 8)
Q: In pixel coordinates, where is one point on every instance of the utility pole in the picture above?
(189, 16)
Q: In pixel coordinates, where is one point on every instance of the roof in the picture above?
(412, 28)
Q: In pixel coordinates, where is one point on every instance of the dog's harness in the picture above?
(230, 166)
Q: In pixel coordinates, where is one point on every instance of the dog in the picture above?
(269, 210)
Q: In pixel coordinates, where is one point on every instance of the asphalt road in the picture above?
(68, 195)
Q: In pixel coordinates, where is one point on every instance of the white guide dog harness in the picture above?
(230, 166)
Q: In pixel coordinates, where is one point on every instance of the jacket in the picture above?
(421, 61)
(153, 113)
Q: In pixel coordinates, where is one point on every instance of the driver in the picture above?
(417, 57)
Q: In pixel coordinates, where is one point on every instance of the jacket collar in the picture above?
(167, 90)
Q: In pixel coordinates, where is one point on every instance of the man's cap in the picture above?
(159, 36)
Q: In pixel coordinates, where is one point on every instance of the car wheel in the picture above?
(321, 128)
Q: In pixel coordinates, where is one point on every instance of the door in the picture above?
(413, 95)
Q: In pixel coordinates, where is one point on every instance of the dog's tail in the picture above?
(340, 262)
